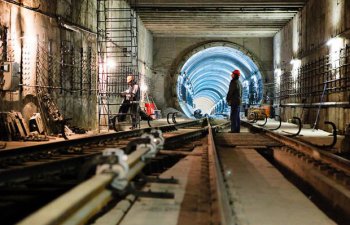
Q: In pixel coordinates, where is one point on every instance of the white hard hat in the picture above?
(129, 79)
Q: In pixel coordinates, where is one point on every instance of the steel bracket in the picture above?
(262, 125)
(279, 126)
(300, 125)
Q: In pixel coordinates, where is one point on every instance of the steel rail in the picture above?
(96, 139)
(59, 212)
(315, 153)
(222, 205)
(173, 142)
(53, 163)
(89, 197)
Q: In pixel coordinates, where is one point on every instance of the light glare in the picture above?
(111, 63)
(295, 62)
(334, 42)
(144, 87)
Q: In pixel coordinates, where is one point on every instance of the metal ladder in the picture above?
(118, 55)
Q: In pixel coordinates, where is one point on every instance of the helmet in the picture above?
(129, 79)
(237, 72)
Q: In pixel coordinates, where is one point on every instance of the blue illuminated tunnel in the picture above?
(205, 77)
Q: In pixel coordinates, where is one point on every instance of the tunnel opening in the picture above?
(204, 80)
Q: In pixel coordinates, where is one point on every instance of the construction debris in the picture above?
(13, 126)
(35, 136)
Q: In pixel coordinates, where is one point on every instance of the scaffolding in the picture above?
(118, 55)
(309, 80)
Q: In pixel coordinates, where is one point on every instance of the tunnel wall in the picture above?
(56, 28)
(169, 52)
(145, 53)
(306, 38)
(36, 36)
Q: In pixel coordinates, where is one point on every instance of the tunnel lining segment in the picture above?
(209, 67)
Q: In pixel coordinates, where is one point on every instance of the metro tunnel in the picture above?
(205, 77)
(175, 112)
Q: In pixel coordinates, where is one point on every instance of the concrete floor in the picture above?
(261, 195)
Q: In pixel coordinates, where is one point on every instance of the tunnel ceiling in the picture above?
(217, 18)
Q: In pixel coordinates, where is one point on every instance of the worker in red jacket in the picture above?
(233, 99)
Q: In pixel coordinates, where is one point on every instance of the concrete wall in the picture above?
(168, 54)
(145, 51)
(34, 35)
(305, 38)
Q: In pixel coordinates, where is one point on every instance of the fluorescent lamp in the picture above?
(295, 62)
(334, 41)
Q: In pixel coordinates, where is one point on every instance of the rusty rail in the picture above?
(221, 207)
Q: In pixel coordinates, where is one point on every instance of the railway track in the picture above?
(326, 173)
(326, 161)
(26, 163)
(41, 173)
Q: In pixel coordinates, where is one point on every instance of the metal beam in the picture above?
(221, 3)
(210, 18)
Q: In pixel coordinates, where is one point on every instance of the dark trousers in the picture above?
(124, 108)
(235, 120)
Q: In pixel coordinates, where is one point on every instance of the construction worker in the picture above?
(233, 99)
(131, 98)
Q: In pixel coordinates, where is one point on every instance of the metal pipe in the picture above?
(113, 174)
(316, 105)
(58, 211)
(90, 208)
(87, 198)
(134, 157)
(135, 170)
